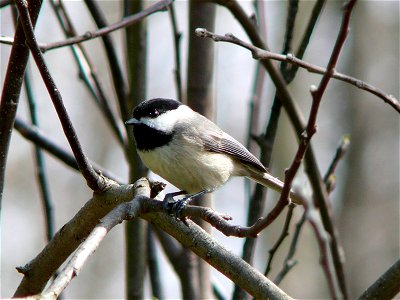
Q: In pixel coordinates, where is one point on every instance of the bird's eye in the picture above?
(154, 113)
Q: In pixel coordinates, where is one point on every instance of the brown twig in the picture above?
(283, 235)
(125, 22)
(289, 262)
(317, 94)
(94, 181)
(323, 239)
(261, 54)
(295, 116)
(87, 72)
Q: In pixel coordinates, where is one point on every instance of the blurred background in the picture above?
(366, 198)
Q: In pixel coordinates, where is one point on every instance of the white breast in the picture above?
(185, 169)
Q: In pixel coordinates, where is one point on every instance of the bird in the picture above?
(190, 151)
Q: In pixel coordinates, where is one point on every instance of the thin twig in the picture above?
(316, 12)
(177, 42)
(317, 94)
(125, 22)
(283, 235)
(289, 262)
(296, 118)
(340, 152)
(119, 81)
(94, 181)
(87, 71)
(261, 54)
(323, 239)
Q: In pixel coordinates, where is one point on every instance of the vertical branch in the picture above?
(12, 89)
(156, 283)
(177, 43)
(290, 173)
(135, 231)
(40, 163)
(200, 98)
(267, 140)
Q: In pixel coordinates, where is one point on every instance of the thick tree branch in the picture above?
(124, 211)
(38, 271)
(125, 203)
(386, 286)
(210, 250)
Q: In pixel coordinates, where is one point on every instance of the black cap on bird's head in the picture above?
(152, 127)
(152, 108)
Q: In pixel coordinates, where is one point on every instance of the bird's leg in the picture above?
(175, 207)
(169, 201)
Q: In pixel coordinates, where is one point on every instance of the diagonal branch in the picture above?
(386, 286)
(33, 134)
(94, 181)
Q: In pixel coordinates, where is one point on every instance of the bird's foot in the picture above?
(175, 207)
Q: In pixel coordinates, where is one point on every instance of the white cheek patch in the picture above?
(166, 121)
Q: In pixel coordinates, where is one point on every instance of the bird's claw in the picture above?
(175, 207)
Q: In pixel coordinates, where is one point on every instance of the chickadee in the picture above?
(190, 151)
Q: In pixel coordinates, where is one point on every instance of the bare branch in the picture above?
(386, 286)
(87, 72)
(125, 22)
(94, 181)
(177, 39)
(323, 239)
(261, 54)
(38, 271)
(210, 250)
(283, 235)
(124, 211)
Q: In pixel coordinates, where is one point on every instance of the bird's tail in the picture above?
(274, 183)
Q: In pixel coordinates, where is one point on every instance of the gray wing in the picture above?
(224, 143)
